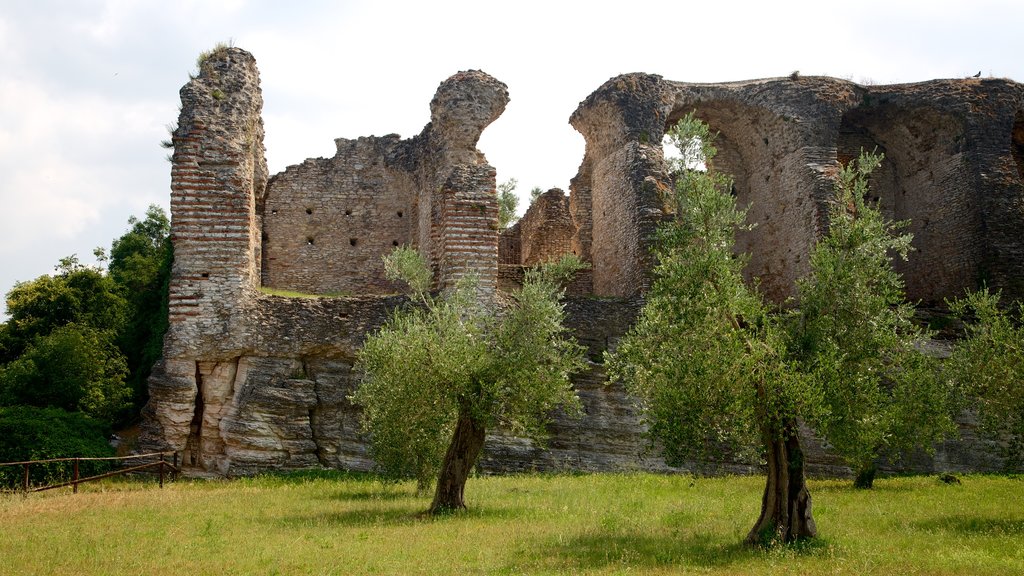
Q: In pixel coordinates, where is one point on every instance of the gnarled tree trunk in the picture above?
(786, 505)
(467, 441)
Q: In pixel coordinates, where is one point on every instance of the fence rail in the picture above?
(161, 464)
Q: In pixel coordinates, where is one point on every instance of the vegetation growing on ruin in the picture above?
(335, 523)
(217, 50)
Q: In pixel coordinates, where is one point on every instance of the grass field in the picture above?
(331, 523)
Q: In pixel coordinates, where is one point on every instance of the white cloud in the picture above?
(88, 86)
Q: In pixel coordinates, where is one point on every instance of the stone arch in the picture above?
(923, 179)
(761, 151)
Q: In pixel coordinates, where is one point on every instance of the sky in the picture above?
(89, 87)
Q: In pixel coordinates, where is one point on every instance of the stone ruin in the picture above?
(251, 381)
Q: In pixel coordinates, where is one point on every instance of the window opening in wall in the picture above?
(394, 243)
(348, 212)
(309, 240)
(273, 211)
(673, 155)
(309, 210)
(352, 241)
(205, 274)
(1017, 142)
(399, 213)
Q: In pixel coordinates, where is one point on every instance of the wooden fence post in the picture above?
(26, 478)
(162, 464)
(74, 487)
(174, 473)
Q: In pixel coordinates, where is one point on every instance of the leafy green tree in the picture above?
(989, 364)
(31, 433)
(535, 193)
(446, 369)
(140, 265)
(507, 203)
(76, 294)
(854, 335)
(75, 368)
(705, 358)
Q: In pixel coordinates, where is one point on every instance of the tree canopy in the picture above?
(853, 333)
(713, 365)
(447, 368)
(84, 339)
(705, 358)
(988, 363)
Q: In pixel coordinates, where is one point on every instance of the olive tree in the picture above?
(989, 365)
(706, 359)
(853, 333)
(448, 368)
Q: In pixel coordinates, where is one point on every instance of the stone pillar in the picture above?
(218, 171)
(621, 178)
(468, 228)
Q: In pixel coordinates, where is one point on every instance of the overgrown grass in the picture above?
(332, 523)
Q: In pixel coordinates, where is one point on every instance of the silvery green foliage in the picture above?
(446, 356)
(854, 336)
(705, 359)
(989, 365)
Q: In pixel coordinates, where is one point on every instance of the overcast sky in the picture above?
(87, 87)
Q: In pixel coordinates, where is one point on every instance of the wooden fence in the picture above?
(159, 461)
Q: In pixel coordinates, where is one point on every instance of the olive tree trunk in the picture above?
(786, 505)
(467, 441)
(865, 478)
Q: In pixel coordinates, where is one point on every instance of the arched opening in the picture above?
(759, 151)
(922, 179)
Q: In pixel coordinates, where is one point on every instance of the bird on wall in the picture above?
(978, 75)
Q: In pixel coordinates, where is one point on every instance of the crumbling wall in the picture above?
(546, 229)
(328, 221)
(250, 381)
(621, 180)
(953, 168)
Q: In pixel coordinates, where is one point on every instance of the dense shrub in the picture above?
(30, 433)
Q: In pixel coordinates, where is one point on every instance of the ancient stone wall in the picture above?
(328, 221)
(546, 230)
(952, 168)
(251, 382)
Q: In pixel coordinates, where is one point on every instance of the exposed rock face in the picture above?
(250, 381)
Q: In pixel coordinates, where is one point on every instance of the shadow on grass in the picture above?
(376, 515)
(847, 487)
(973, 526)
(601, 551)
(370, 495)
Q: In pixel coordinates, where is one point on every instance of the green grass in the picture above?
(331, 523)
(293, 294)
